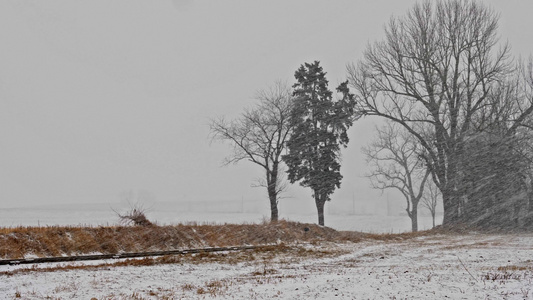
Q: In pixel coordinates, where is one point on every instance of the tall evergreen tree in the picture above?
(319, 126)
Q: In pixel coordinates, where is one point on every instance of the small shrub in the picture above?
(135, 216)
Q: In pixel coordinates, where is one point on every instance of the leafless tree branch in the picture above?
(259, 136)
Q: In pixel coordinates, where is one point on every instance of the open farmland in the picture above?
(98, 214)
(332, 264)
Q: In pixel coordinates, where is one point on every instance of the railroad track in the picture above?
(41, 260)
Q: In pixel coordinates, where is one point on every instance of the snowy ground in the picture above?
(474, 266)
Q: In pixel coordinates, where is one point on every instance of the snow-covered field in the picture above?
(102, 214)
(474, 266)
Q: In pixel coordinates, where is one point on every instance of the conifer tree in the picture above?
(319, 126)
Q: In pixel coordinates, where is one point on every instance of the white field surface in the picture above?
(168, 214)
(474, 266)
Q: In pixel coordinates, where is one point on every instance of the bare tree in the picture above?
(440, 71)
(430, 199)
(396, 164)
(259, 136)
(136, 215)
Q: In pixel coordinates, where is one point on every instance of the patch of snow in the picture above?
(473, 266)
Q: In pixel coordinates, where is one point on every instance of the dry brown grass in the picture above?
(524, 267)
(262, 256)
(21, 242)
(352, 235)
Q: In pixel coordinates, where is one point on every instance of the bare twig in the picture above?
(466, 268)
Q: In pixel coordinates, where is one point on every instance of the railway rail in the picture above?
(39, 260)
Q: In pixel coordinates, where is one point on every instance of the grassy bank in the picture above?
(20, 242)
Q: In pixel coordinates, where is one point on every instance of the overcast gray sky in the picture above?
(98, 97)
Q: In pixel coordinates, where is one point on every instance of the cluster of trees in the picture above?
(458, 120)
(442, 75)
(304, 122)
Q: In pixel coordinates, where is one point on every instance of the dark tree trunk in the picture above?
(530, 200)
(272, 181)
(451, 209)
(273, 209)
(413, 214)
(433, 217)
(273, 197)
(320, 209)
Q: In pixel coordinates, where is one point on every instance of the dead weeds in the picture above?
(516, 268)
(20, 242)
(263, 256)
